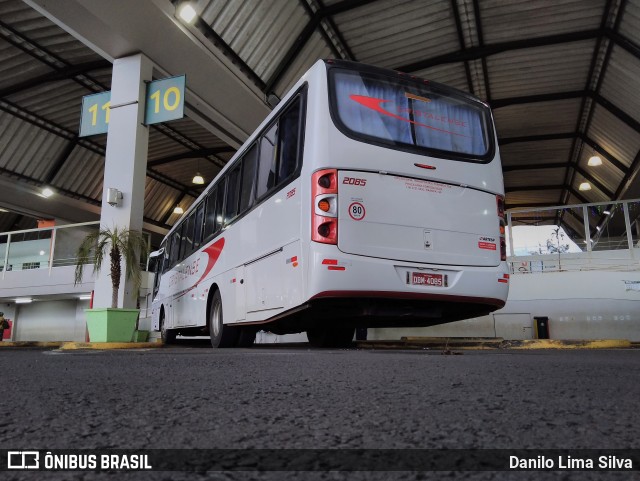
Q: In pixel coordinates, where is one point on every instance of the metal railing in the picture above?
(44, 248)
(595, 236)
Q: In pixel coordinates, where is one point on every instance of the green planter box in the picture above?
(141, 336)
(111, 325)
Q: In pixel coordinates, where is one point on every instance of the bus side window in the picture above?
(219, 204)
(288, 141)
(175, 247)
(166, 257)
(210, 221)
(247, 191)
(267, 164)
(231, 198)
(199, 220)
(187, 237)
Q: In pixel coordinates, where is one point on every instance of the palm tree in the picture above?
(120, 243)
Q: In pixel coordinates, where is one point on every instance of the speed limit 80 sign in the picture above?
(356, 211)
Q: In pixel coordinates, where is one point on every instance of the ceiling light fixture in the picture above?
(198, 179)
(606, 212)
(186, 12)
(585, 186)
(24, 300)
(594, 161)
(178, 210)
(46, 192)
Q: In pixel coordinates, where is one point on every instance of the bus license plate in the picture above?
(426, 279)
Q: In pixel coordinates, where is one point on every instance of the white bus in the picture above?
(367, 198)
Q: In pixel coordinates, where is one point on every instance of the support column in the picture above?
(125, 165)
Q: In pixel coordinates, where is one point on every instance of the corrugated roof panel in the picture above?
(17, 67)
(197, 133)
(541, 70)
(43, 33)
(531, 153)
(26, 149)
(630, 21)
(452, 74)
(59, 102)
(392, 34)
(259, 32)
(534, 177)
(518, 19)
(607, 173)
(537, 118)
(316, 48)
(158, 199)
(183, 171)
(160, 145)
(613, 135)
(620, 84)
(533, 197)
(83, 173)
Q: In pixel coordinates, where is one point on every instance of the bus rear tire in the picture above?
(336, 337)
(221, 335)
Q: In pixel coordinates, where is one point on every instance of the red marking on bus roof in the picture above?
(506, 276)
(374, 104)
(505, 281)
(336, 268)
(425, 166)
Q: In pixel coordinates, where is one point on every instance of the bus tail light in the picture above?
(501, 225)
(324, 208)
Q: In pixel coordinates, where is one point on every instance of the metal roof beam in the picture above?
(515, 168)
(203, 153)
(531, 205)
(456, 17)
(536, 138)
(59, 74)
(306, 34)
(474, 53)
(510, 190)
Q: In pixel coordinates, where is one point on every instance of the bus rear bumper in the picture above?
(370, 292)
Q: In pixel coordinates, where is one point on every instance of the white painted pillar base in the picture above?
(125, 165)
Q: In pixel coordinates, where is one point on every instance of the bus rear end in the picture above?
(407, 205)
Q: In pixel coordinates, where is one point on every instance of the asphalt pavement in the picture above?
(194, 397)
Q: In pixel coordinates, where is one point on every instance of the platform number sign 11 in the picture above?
(94, 118)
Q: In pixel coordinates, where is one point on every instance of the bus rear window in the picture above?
(409, 115)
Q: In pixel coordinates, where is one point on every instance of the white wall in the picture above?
(579, 305)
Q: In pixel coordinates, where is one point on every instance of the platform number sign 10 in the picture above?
(165, 100)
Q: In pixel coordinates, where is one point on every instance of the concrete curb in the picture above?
(72, 346)
(575, 344)
(493, 343)
(30, 344)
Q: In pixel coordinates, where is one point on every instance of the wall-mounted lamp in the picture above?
(114, 197)
(24, 300)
